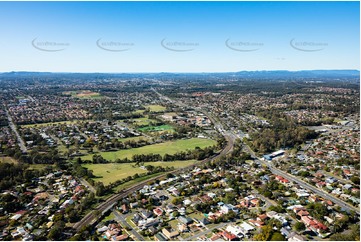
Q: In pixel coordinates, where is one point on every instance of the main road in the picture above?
(319, 192)
(304, 184)
(13, 128)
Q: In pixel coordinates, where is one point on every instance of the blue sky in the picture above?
(88, 36)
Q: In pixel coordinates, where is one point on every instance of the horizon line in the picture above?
(175, 72)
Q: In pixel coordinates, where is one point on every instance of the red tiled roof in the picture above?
(228, 235)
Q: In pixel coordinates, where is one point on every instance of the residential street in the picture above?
(121, 219)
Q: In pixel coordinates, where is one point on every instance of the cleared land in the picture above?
(171, 114)
(143, 121)
(156, 108)
(170, 147)
(111, 172)
(136, 138)
(7, 159)
(39, 166)
(84, 94)
(164, 127)
(52, 123)
(139, 111)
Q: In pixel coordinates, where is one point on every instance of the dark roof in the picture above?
(204, 221)
(146, 214)
(185, 220)
(161, 237)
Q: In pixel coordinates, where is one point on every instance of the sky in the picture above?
(178, 36)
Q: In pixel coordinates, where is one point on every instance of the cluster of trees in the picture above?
(283, 132)
(352, 235)
(14, 174)
(35, 156)
(205, 207)
(345, 161)
(317, 210)
(230, 216)
(115, 144)
(197, 154)
(270, 189)
(71, 214)
(268, 233)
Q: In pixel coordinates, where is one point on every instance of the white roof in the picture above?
(246, 226)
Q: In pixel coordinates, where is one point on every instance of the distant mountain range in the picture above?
(305, 73)
(241, 74)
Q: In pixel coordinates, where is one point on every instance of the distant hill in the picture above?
(300, 74)
(241, 74)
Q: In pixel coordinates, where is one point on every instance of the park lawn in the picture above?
(156, 108)
(170, 147)
(112, 172)
(136, 138)
(164, 127)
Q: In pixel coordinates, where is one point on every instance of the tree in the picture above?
(355, 180)
(230, 197)
(265, 235)
(299, 226)
(277, 209)
(267, 194)
(277, 236)
(177, 200)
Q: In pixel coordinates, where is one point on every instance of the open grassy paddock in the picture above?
(164, 127)
(136, 138)
(52, 123)
(7, 159)
(111, 172)
(170, 147)
(84, 94)
(156, 108)
(143, 121)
